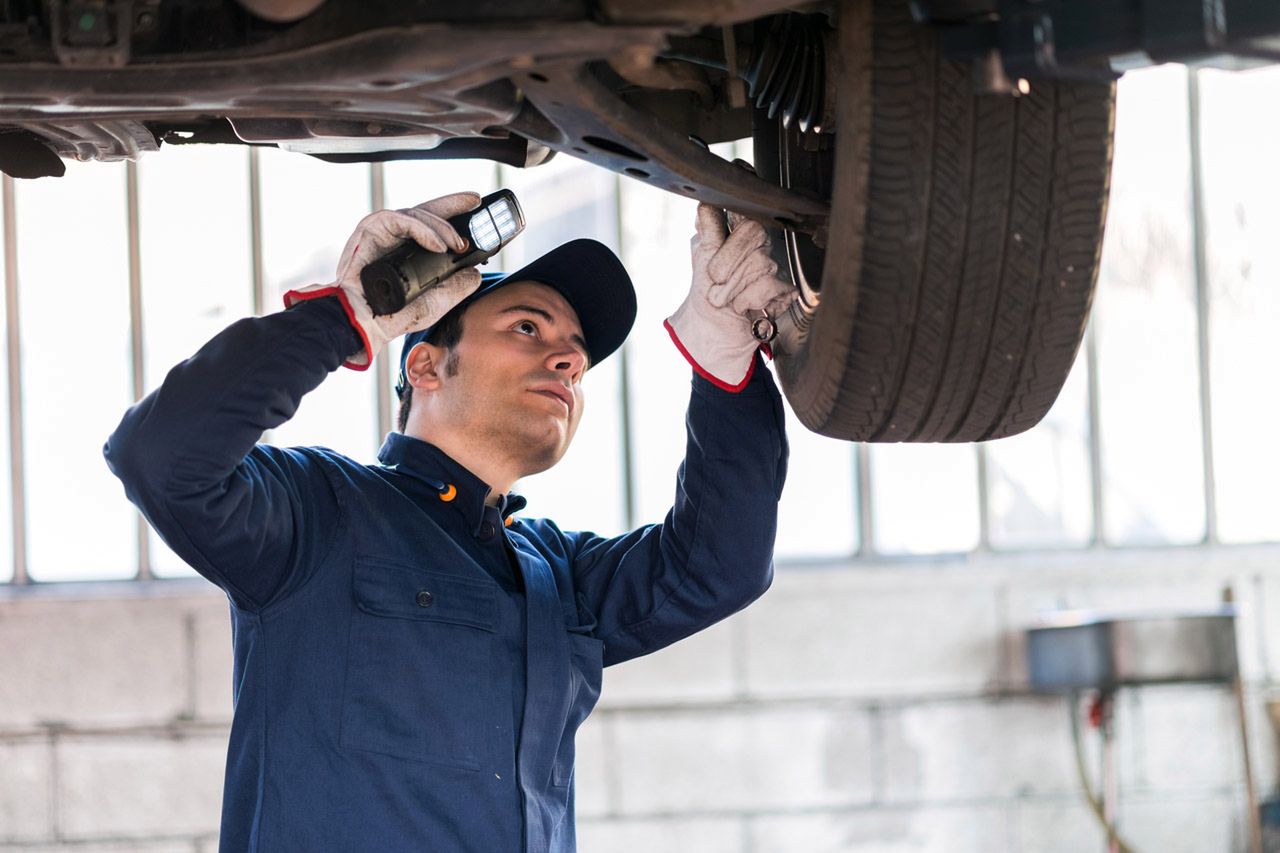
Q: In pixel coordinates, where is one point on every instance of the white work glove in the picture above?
(735, 282)
(377, 234)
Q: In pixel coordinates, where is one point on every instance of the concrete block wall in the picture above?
(884, 707)
(869, 707)
(114, 713)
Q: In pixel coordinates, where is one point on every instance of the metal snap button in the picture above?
(425, 598)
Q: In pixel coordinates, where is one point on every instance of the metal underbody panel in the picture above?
(514, 80)
(379, 85)
(432, 81)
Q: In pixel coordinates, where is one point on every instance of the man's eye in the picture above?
(527, 327)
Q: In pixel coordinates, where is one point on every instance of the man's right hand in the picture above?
(377, 234)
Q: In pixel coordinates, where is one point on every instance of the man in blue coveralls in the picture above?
(412, 659)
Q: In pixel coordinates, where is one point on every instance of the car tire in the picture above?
(963, 245)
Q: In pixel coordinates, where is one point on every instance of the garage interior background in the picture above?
(875, 700)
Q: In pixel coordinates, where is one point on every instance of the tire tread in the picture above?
(980, 223)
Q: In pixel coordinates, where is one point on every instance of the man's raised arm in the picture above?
(713, 554)
(187, 453)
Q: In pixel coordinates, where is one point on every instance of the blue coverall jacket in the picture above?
(409, 671)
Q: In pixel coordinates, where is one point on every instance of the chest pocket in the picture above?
(420, 666)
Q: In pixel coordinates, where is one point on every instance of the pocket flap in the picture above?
(384, 588)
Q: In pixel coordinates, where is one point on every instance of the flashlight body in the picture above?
(407, 271)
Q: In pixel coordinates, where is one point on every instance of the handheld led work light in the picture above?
(401, 275)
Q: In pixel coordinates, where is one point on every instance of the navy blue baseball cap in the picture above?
(591, 279)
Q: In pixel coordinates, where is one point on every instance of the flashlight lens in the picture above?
(483, 232)
(494, 225)
(503, 219)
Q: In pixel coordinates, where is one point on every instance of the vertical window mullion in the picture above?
(1202, 305)
(984, 501)
(866, 517)
(382, 364)
(17, 467)
(257, 266)
(1098, 504)
(624, 393)
(135, 336)
(257, 272)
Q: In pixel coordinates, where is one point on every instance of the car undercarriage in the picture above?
(934, 173)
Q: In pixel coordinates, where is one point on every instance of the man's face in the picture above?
(519, 367)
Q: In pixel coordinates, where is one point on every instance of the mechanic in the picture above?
(412, 659)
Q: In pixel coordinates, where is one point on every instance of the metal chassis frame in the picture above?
(530, 78)
(577, 114)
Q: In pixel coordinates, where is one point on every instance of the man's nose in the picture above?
(568, 360)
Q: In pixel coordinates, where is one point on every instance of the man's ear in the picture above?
(424, 368)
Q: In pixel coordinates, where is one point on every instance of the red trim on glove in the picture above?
(294, 296)
(719, 383)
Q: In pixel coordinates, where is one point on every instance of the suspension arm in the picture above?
(577, 114)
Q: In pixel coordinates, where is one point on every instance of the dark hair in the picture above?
(445, 334)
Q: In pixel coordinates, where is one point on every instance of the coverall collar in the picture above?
(424, 461)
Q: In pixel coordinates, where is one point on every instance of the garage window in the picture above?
(1162, 436)
(76, 379)
(1240, 176)
(195, 263)
(1146, 326)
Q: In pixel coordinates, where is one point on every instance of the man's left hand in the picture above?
(735, 283)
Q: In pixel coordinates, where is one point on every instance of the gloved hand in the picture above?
(735, 282)
(378, 233)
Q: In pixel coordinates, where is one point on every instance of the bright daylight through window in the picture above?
(268, 221)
